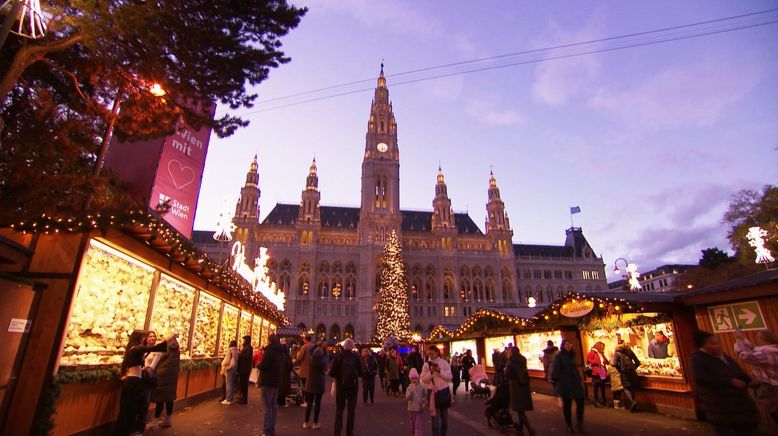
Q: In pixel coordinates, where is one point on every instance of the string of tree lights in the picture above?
(159, 235)
(392, 307)
(524, 57)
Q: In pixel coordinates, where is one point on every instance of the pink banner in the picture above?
(179, 175)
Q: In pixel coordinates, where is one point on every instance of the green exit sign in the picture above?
(728, 317)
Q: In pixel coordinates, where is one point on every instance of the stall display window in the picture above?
(531, 345)
(111, 301)
(245, 326)
(652, 341)
(462, 346)
(265, 333)
(499, 343)
(206, 326)
(172, 311)
(229, 328)
(256, 329)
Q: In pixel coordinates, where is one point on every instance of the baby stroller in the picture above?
(479, 382)
(497, 414)
(295, 394)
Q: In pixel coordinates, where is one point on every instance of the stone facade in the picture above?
(326, 258)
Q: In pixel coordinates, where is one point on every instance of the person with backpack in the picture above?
(303, 358)
(271, 370)
(346, 370)
(626, 363)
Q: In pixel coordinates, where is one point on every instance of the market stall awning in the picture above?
(442, 331)
(494, 320)
(762, 279)
(289, 332)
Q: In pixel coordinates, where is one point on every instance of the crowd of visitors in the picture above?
(428, 383)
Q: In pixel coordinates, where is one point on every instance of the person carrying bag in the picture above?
(436, 375)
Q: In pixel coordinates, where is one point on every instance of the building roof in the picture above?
(533, 250)
(203, 237)
(635, 297)
(757, 279)
(348, 217)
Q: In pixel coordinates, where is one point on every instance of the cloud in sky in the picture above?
(693, 94)
(557, 81)
(489, 114)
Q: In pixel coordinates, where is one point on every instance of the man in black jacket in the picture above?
(244, 369)
(270, 373)
(720, 386)
(346, 370)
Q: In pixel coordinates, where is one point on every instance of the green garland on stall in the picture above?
(96, 374)
(612, 323)
(193, 365)
(43, 423)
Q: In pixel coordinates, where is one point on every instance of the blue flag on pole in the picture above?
(575, 209)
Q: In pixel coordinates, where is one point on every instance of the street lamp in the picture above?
(631, 271)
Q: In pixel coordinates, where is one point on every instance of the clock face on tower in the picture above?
(382, 147)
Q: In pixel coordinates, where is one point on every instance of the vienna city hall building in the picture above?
(326, 258)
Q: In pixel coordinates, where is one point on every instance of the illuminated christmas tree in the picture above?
(392, 307)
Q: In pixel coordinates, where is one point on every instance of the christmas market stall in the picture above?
(101, 277)
(657, 330)
(749, 303)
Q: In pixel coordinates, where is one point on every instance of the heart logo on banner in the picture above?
(181, 175)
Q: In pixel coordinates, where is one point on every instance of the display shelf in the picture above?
(531, 345)
(206, 326)
(111, 301)
(265, 332)
(256, 329)
(172, 311)
(229, 327)
(245, 326)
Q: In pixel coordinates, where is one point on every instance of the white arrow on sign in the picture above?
(747, 316)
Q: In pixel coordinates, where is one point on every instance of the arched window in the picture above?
(490, 289)
(416, 289)
(324, 267)
(478, 289)
(302, 327)
(323, 286)
(418, 328)
(466, 293)
(448, 287)
(429, 289)
(348, 332)
(351, 288)
(321, 332)
(507, 289)
(303, 285)
(335, 332)
(337, 287)
(283, 281)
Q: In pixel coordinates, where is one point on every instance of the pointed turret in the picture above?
(309, 205)
(247, 209)
(442, 216)
(497, 224)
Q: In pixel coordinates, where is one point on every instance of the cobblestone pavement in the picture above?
(388, 417)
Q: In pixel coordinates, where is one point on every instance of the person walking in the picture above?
(763, 360)
(627, 363)
(369, 370)
(164, 394)
(417, 402)
(133, 391)
(230, 371)
(598, 363)
(720, 385)
(346, 371)
(381, 361)
(285, 387)
(549, 353)
(315, 384)
(467, 363)
(456, 372)
(303, 358)
(499, 360)
(393, 372)
(517, 375)
(150, 362)
(568, 385)
(244, 369)
(271, 369)
(436, 375)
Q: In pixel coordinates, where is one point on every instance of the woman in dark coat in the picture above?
(164, 394)
(626, 363)
(568, 385)
(518, 381)
(315, 384)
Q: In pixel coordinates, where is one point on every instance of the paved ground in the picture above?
(388, 417)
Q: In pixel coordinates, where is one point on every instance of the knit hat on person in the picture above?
(413, 374)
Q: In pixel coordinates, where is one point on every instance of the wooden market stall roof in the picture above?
(750, 286)
(150, 229)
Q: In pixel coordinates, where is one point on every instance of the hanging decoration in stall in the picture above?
(576, 309)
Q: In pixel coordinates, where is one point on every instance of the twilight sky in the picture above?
(650, 141)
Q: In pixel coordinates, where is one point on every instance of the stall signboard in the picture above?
(576, 309)
(729, 317)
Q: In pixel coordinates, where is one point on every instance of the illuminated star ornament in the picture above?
(756, 239)
(633, 274)
(224, 226)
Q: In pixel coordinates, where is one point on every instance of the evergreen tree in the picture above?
(392, 307)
